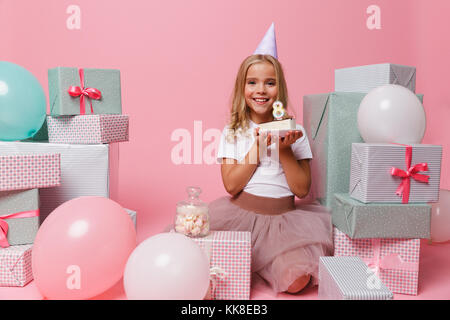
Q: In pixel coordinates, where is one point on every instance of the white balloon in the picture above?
(167, 266)
(440, 217)
(391, 113)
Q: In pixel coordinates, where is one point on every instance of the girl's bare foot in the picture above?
(299, 284)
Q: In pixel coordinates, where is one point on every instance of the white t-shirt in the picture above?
(269, 179)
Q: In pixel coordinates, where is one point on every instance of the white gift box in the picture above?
(86, 170)
(366, 78)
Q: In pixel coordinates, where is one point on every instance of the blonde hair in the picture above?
(239, 122)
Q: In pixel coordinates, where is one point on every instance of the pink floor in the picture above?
(434, 279)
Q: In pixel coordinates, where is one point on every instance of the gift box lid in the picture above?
(365, 78)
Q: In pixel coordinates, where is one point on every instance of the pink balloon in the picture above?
(440, 218)
(168, 266)
(81, 248)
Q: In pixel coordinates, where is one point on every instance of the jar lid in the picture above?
(193, 198)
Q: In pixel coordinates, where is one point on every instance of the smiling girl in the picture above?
(263, 174)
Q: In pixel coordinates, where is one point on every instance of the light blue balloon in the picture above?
(23, 104)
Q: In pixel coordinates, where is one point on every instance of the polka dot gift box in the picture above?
(15, 266)
(229, 253)
(19, 171)
(88, 129)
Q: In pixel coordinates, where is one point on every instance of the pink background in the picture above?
(178, 61)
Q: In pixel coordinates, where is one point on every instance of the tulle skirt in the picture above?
(285, 246)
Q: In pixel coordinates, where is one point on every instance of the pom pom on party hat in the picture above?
(268, 44)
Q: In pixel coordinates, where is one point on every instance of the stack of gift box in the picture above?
(378, 192)
(21, 177)
(74, 153)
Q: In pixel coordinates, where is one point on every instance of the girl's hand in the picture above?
(289, 139)
(263, 137)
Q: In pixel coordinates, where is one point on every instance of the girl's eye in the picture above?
(271, 83)
(251, 82)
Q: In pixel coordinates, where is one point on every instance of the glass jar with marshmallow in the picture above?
(192, 218)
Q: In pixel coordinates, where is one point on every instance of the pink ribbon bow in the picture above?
(391, 261)
(4, 225)
(411, 172)
(82, 92)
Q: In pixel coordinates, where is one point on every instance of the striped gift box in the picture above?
(88, 129)
(15, 266)
(396, 261)
(349, 278)
(229, 252)
(366, 78)
(371, 179)
(29, 171)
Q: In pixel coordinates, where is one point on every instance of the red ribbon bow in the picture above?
(83, 92)
(411, 172)
(4, 225)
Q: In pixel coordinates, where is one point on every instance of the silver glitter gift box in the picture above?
(366, 78)
(13, 208)
(349, 278)
(107, 81)
(86, 170)
(371, 178)
(381, 220)
(330, 121)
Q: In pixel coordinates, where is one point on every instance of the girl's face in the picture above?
(261, 91)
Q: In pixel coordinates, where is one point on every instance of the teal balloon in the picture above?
(23, 104)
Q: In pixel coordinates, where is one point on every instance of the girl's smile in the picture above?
(261, 91)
